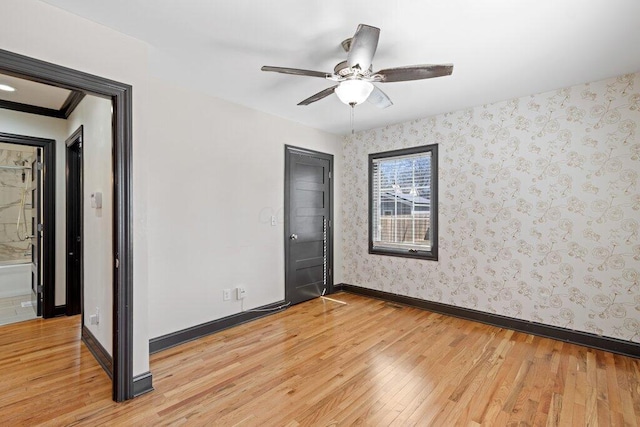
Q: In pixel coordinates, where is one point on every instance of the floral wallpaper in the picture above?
(539, 209)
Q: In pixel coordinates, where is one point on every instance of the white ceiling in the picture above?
(500, 49)
(32, 93)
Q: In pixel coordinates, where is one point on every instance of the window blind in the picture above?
(401, 201)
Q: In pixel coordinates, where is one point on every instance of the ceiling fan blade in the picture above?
(379, 98)
(363, 46)
(415, 72)
(318, 96)
(295, 71)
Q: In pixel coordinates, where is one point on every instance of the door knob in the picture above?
(293, 237)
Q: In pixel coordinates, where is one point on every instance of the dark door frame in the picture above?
(37, 289)
(290, 149)
(74, 200)
(48, 215)
(121, 98)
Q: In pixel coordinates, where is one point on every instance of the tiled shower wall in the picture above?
(14, 244)
(539, 209)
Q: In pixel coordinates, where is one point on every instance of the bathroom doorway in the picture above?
(27, 204)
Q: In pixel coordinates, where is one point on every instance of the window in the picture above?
(403, 202)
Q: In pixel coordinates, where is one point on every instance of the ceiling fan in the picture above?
(355, 77)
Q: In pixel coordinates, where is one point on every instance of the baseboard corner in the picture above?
(142, 384)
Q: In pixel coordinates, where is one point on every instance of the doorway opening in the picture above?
(16, 234)
(74, 223)
(30, 241)
(121, 168)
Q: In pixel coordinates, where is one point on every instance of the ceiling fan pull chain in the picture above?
(352, 116)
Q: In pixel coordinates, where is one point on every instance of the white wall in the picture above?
(218, 176)
(47, 127)
(94, 114)
(538, 209)
(187, 245)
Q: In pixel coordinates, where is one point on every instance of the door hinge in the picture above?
(40, 288)
(329, 223)
(39, 166)
(329, 272)
(117, 263)
(40, 227)
(329, 174)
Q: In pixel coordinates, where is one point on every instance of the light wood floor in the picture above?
(324, 363)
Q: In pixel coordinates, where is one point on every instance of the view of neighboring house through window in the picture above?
(403, 192)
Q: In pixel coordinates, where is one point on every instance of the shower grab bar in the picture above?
(15, 167)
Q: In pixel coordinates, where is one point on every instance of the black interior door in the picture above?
(307, 222)
(74, 224)
(36, 232)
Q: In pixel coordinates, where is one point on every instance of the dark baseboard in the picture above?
(60, 310)
(586, 339)
(176, 338)
(98, 351)
(142, 384)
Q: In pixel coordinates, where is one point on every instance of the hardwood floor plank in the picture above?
(477, 407)
(570, 379)
(555, 409)
(579, 414)
(323, 363)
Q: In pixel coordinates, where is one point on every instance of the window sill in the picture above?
(404, 253)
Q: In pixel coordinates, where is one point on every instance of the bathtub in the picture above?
(15, 279)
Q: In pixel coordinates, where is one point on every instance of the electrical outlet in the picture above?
(226, 294)
(94, 319)
(241, 292)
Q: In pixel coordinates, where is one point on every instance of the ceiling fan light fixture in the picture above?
(353, 92)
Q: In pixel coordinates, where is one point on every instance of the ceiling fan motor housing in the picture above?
(342, 69)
